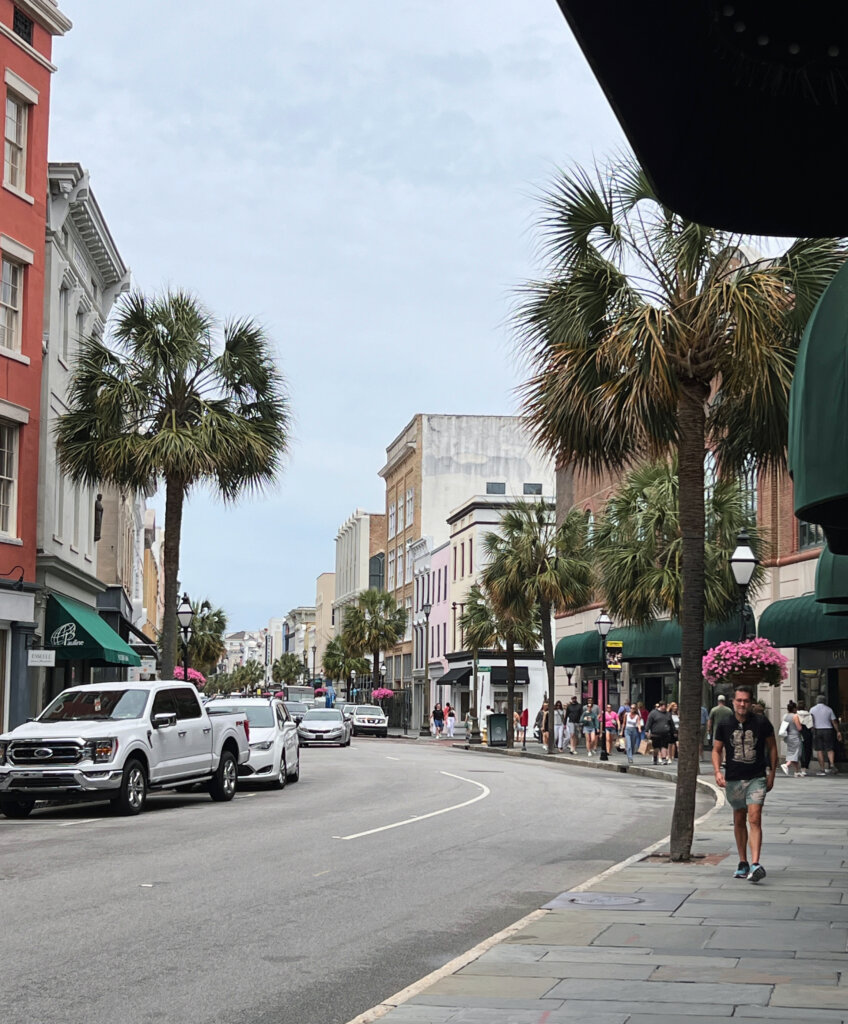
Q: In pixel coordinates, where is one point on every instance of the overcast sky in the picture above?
(361, 177)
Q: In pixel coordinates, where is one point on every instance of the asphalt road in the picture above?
(273, 909)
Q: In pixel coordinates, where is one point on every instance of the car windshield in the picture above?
(366, 709)
(95, 706)
(317, 715)
(260, 716)
(296, 707)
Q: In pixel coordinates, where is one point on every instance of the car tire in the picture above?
(133, 792)
(385, 733)
(17, 807)
(224, 782)
(353, 732)
(295, 775)
(282, 777)
(347, 742)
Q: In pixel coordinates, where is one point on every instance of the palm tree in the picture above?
(552, 565)
(339, 662)
(287, 669)
(373, 624)
(250, 675)
(161, 403)
(206, 646)
(653, 335)
(637, 546)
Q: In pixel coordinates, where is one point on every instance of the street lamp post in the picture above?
(675, 664)
(314, 649)
(352, 691)
(425, 697)
(603, 624)
(743, 562)
(185, 617)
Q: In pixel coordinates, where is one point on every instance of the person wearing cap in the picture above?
(721, 710)
(826, 729)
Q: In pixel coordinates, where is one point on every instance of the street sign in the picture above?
(41, 659)
(614, 651)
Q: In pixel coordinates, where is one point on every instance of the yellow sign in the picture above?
(614, 651)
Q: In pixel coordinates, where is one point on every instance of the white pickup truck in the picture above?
(117, 741)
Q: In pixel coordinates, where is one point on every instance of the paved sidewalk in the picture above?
(654, 941)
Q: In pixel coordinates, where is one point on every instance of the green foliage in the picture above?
(206, 647)
(288, 668)
(373, 624)
(340, 662)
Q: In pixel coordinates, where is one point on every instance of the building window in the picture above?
(75, 533)
(748, 484)
(80, 325)
(8, 479)
(434, 642)
(810, 535)
(14, 153)
(390, 572)
(710, 477)
(400, 517)
(454, 563)
(399, 566)
(462, 559)
(532, 488)
(495, 488)
(444, 637)
(590, 525)
(60, 503)
(392, 519)
(410, 505)
(409, 560)
(408, 634)
(470, 556)
(22, 26)
(64, 326)
(11, 297)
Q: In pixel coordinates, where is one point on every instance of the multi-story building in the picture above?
(83, 275)
(430, 630)
(299, 633)
(325, 592)
(432, 466)
(27, 29)
(241, 647)
(360, 561)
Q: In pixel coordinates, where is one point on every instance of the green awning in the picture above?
(831, 578)
(818, 428)
(76, 632)
(799, 622)
(663, 638)
(580, 649)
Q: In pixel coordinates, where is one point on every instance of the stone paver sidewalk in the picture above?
(657, 941)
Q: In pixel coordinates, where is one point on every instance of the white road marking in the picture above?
(421, 817)
(319, 873)
(389, 758)
(82, 821)
(146, 885)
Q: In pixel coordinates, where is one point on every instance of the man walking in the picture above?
(747, 742)
(826, 726)
(721, 710)
(573, 713)
(660, 730)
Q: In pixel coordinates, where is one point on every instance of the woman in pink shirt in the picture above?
(610, 728)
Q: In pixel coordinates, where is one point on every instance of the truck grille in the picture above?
(58, 780)
(44, 752)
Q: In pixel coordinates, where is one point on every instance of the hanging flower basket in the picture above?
(382, 693)
(746, 663)
(194, 676)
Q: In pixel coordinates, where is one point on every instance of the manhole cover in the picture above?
(594, 899)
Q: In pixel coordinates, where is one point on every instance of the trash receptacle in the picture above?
(496, 730)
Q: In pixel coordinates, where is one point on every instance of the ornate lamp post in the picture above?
(352, 692)
(185, 617)
(425, 697)
(603, 624)
(743, 562)
(314, 649)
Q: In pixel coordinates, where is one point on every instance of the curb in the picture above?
(458, 962)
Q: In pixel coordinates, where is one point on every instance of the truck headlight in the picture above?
(101, 750)
(264, 745)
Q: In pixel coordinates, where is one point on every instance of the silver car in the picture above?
(324, 726)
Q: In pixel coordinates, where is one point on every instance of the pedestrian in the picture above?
(806, 736)
(675, 722)
(705, 717)
(524, 721)
(610, 729)
(632, 732)
(543, 721)
(790, 730)
(590, 723)
(826, 728)
(573, 711)
(660, 731)
(747, 742)
(721, 710)
(450, 720)
(643, 711)
(559, 725)
(438, 719)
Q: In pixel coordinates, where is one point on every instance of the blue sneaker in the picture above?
(757, 872)
(743, 870)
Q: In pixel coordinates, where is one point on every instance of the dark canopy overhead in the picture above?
(799, 622)
(832, 580)
(735, 109)
(818, 423)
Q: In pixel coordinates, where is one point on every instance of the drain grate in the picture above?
(600, 899)
(665, 902)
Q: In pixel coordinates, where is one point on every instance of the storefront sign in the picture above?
(614, 652)
(41, 659)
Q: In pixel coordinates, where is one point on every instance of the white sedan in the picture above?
(323, 726)
(370, 718)
(274, 747)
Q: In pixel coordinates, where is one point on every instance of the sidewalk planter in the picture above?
(746, 663)
(496, 731)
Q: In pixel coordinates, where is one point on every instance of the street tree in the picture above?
(287, 669)
(550, 562)
(206, 646)
(339, 662)
(651, 335)
(637, 545)
(374, 623)
(250, 675)
(171, 397)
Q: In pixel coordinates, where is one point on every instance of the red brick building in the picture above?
(27, 28)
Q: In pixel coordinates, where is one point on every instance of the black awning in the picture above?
(522, 674)
(454, 675)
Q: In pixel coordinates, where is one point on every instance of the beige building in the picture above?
(360, 559)
(323, 631)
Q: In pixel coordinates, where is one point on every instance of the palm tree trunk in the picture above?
(174, 497)
(548, 646)
(691, 451)
(510, 694)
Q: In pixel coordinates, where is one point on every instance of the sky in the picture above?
(363, 179)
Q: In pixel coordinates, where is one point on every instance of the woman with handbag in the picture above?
(632, 732)
(790, 730)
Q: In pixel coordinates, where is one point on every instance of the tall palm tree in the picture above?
(206, 646)
(373, 624)
(339, 662)
(164, 400)
(286, 669)
(651, 335)
(550, 562)
(637, 546)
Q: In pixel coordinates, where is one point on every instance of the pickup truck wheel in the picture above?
(16, 807)
(282, 776)
(223, 785)
(133, 791)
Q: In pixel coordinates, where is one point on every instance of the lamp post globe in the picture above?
(743, 563)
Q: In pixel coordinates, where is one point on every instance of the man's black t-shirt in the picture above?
(573, 711)
(744, 745)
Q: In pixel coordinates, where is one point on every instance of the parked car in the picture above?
(117, 741)
(297, 709)
(274, 747)
(368, 718)
(348, 710)
(323, 726)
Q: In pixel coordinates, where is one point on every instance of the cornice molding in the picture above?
(47, 14)
(30, 51)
